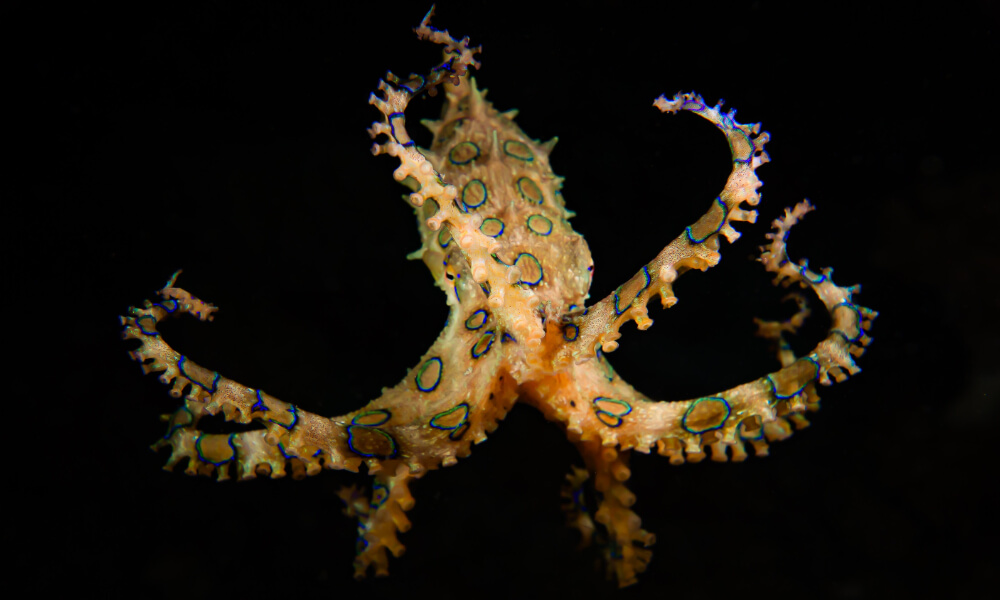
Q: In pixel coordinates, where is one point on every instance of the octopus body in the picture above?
(497, 240)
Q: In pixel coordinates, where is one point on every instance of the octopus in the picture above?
(497, 240)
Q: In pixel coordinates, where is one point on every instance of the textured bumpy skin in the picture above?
(497, 240)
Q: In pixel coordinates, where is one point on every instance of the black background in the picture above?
(230, 141)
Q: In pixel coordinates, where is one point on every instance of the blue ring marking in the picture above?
(385, 414)
(687, 413)
(571, 337)
(444, 231)
(857, 315)
(496, 235)
(287, 456)
(260, 406)
(774, 388)
(541, 271)
(392, 126)
(457, 297)
(177, 426)
(609, 371)
(138, 323)
(604, 416)
(843, 336)
(414, 90)
(485, 286)
(489, 344)
(462, 208)
(379, 489)
(725, 215)
(464, 421)
(524, 195)
(486, 193)
(802, 270)
(645, 272)
(201, 457)
(350, 442)
(164, 306)
(360, 544)
(482, 322)
(535, 218)
(746, 436)
(427, 363)
(459, 432)
(467, 161)
(446, 65)
(731, 127)
(506, 336)
(531, 155)
(215, 378)
(295, 419)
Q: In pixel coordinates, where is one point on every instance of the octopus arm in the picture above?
(607, 418)
(696, 248)
(290, 433)
(452, 399)
(607, 409)
(455, 395)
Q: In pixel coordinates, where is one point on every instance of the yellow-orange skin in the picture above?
(497, 240)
